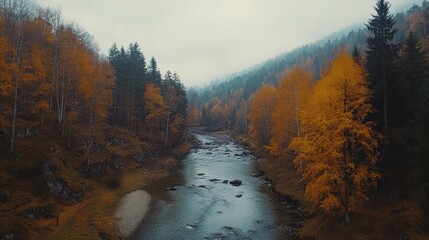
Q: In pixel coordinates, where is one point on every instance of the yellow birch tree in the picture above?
(292, 94)
(261, 107)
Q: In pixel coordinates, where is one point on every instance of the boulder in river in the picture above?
(225, 181)
(200, 174)
(235, 183)
(239, 195)
(214, 180)
(190, 226)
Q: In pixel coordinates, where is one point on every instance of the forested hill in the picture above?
(315, 57)
(74, 124)
(342, 126)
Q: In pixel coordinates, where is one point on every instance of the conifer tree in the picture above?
(413, 71)
(154, 74)
(380, 58)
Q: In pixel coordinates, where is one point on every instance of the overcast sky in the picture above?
(205, 39)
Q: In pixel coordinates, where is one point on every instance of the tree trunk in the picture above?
(70, 134)
(168, 122)
(384, 82)
(89, 140)
(185, 135)
(15, 109)
(266, 138)
(347, 216)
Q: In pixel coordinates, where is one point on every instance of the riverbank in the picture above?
(48, 192)
(96, 217)
(393, 213)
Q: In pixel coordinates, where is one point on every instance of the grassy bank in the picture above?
(94, 217)
(29, 210)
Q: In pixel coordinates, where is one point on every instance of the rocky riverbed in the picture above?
(216, 194)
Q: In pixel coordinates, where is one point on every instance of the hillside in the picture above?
(314, 56)
(287, 108)
(78, 130)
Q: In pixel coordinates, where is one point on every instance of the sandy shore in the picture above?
(131, 211)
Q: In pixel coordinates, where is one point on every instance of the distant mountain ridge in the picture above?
(314, 55)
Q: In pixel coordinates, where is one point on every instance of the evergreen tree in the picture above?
(357, 56)
(380, 58)
(138, 79)
(421, 167)
(154, 74)
(380, 65)
(413, 70)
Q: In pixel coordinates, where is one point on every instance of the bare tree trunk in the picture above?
(185, 136)
(89, 139)
(70, 134)
(54, 76)
(42, 122)
(16, 79)
(267, 127)
(15, 109)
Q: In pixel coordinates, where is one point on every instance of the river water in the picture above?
(196, 203)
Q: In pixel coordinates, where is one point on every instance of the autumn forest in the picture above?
(341, 126)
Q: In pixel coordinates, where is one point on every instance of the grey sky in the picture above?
(205, 39)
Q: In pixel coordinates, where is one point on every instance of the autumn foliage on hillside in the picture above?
(72, 120)
(52, 75)
(351, 114)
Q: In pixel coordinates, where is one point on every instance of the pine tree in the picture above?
(357, 56)
(154, 74)
(380, 58)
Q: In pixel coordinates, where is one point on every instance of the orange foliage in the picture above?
(336, 152)
(6, 86)
(156, 111)
(193, 116)
(216, 112)
(261, 107)
(293, 93)
(96, 87)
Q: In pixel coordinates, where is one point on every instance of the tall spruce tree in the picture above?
(380, 58)
(153, 72)
(380, 61)
(138, 79)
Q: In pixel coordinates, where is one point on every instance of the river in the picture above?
(196, 203)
